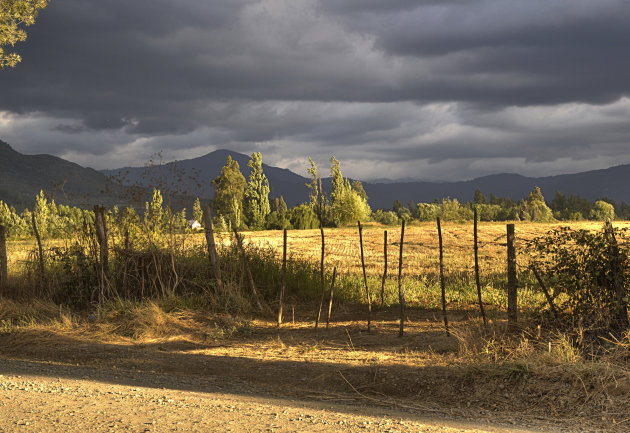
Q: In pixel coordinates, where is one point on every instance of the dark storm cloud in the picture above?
(432, 83)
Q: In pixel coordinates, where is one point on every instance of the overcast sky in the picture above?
(424, 89)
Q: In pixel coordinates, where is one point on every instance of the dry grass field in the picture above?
(420, 258)
(420, 249)
(531, 377)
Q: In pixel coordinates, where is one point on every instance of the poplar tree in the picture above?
(197, 213)
(228, 193)
(256, 196)
(347, 204)
(153, 212)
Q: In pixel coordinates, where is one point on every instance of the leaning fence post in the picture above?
(212, 247)
(367, 290)
(284, 275)
(100, 225)
(545, 291)
(330, 296)
(621, 304)
(442, 282)
(384, 269)
(248, 271)
(3, 258)
(483, 313)
(321, 277)
(511, 276)
(401, 291)
(41, 251)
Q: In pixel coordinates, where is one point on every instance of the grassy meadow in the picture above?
(420, 269)
(550, 368)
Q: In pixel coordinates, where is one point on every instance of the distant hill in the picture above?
(22, 176)
(193, 176)
(610, 182)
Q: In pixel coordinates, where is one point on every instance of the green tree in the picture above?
(153, 212)
(256, 196)
(42, 213)
(602, 211)
(427, 211)
(534, 208)
(479, 197)
(197, 213)
(338, 184)
(452, 210)
(304, 217)
(313, 185)
(14, 16)
(397, 206)
(357, 187)
(280, 206)
(317, 196)
(279, 218)
(228, 193)
(346, 205)
(15, 224)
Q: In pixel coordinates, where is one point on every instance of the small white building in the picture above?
(194, 225)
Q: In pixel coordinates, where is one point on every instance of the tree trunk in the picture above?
(442, 282)
(483, 313)
(511, 277)
(213, 256)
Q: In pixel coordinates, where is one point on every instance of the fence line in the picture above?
(346, 249)
(4, 267)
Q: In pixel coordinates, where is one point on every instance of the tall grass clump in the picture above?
(148, 264)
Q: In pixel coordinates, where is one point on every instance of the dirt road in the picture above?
(46, 397)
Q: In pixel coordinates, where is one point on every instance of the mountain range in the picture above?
(23, 176)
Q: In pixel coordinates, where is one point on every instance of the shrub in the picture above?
(583, 266)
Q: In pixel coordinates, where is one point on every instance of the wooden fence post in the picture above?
(330, 296)
(41, 251)
(248, 271)
(283, 276)
(100, 224)
(384, 269)
(321, 277)
(545, 291)
(3, 258)
(483, 313)
(401, 291)
(621, 307)
(511, 277)
(442, 282)
(212, 247)
(367, 290)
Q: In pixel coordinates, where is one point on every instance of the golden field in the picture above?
(420, 256)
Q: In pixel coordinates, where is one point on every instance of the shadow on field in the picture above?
(419, 371)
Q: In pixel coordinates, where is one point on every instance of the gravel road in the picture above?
(47, 397)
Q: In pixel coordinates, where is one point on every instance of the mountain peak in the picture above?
(4, 147)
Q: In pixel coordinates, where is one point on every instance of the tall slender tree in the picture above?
(256, 205)
(228, 193)
(197, 213)
(346, 203)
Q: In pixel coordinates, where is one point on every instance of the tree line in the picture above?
(534, 208)
(246, 204)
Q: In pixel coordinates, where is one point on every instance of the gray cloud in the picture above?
(401, 88)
